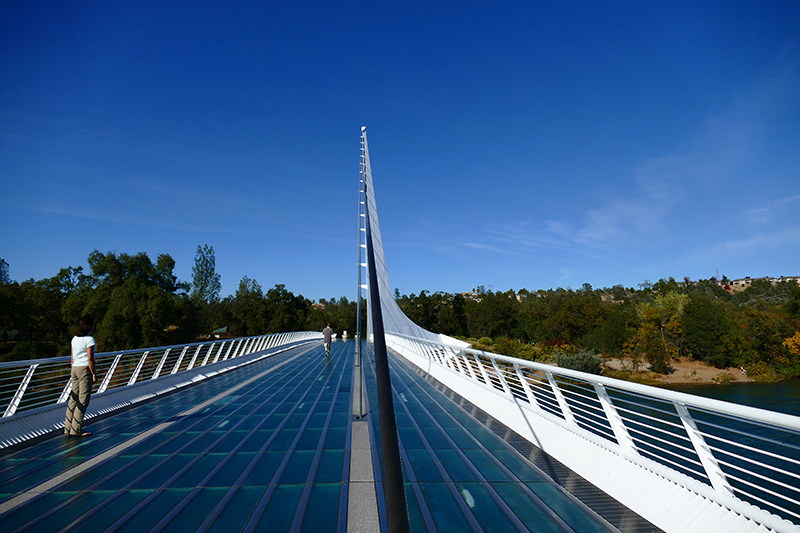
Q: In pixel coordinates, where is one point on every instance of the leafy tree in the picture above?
(452, 318)
(422, 309)
(287, 312)
(248, 309)
(494, 316)
(140, 303)
(612, 333)
(793, 344)
(792, 305)
(206, 284)
(660, 333)
(5, 278)
(704, 327)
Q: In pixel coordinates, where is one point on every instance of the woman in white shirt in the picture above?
(82, 377)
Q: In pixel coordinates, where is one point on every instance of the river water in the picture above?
(783, 396)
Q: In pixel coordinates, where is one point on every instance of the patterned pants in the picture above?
(78, 400)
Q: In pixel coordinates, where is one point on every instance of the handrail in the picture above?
(31, 384)
(741, 456)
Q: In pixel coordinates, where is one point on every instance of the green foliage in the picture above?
(515, 348)
(493, 316)
(5, 278)
(583, 361)
(138, 302)
(705, 326)
(653, 324)
(206, 284)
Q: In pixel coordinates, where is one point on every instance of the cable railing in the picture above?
(32, 384)
(740, 456)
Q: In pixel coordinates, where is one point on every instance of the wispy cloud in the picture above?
(154, 222)
(764, 214)
(784, 239)
(669, 188)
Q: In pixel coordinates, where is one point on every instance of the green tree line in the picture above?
(139, 303)
(656, 323)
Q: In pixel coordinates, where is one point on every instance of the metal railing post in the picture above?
(138, 369)
(107, 378)
(707, 459)
(526, 386)
(15, 401)
(562, 401)
(161, 364)
(615, 421)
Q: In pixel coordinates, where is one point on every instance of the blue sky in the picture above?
(513, 144)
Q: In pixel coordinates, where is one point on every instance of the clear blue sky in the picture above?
(514, 144)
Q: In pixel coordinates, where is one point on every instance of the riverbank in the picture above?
(684, 371)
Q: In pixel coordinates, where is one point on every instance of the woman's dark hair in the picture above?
(85, 326)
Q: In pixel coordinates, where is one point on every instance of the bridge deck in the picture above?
(267, 447)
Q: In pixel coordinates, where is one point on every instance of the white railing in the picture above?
(739, 456)
(28, 385)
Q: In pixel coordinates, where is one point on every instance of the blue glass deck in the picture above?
(233, 453)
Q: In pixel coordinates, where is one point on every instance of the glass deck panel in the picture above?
(322, 510)
(157, 508)
(199, 470)
(446, 513)
(226, 477)
(192, 515)
(71, 511)
(237, 511)
(415, 519)
(576, 517)
(264, 469)
(488, 468)
(520, 503)
(162, 472)
(106, 515)
(456, 468)
(486, 510)
(297, 467)
(281, 508)
(130, 471)
(329, 469)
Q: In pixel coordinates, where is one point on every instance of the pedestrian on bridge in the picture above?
(82, 377)
(327, 334)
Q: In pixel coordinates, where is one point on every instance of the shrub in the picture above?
(515, 348)
(583, 361)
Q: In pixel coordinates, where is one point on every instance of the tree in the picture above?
(660, 332)
(704, 326)
(206, 284)
(793, 344)
(138, 303)
(5, 278)
(494, 316)
(249, 309)
(287, 312)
